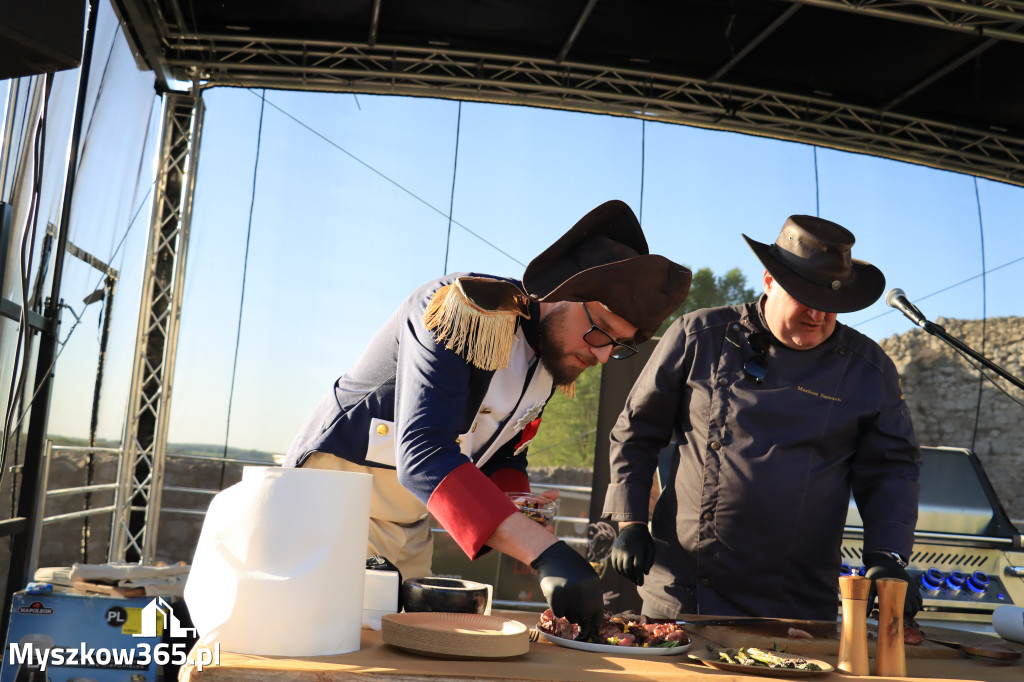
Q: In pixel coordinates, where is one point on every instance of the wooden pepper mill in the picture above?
(853, 641)
(891, 657)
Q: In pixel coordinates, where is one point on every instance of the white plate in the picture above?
(615, 650)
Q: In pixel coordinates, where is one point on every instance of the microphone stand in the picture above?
(940, 332)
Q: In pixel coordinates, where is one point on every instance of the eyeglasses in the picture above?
(599, 338)
(757, 366)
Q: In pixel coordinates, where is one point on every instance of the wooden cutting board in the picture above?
(824, 643)
(976, 644)
(110, 590)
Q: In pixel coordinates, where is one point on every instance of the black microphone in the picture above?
(897, 298)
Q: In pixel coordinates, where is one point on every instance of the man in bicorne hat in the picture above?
(775, 412)
(443, 403)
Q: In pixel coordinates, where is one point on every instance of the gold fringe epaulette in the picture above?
(476, 318)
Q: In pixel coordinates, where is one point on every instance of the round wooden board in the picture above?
(455, 635)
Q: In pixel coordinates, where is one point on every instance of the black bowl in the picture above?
(443, 594)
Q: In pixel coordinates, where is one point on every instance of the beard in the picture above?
(560, 365)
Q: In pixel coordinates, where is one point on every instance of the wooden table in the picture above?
(376, 661)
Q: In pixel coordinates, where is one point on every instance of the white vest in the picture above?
(509, 404)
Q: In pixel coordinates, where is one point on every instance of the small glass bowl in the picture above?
(537, 507)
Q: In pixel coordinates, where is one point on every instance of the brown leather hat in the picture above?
(811, 260)
(604, 257)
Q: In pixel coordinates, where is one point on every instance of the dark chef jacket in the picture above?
(751, 520)
(422, 401)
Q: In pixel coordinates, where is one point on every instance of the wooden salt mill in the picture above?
(853, 641)
(891, 657)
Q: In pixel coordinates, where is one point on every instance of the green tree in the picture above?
(566, 436)
(567, 432)
(708, 291)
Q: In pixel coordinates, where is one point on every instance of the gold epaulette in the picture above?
(476, 318)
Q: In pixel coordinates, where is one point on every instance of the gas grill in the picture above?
(968, 557)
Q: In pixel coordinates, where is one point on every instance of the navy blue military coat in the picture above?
(456, 433)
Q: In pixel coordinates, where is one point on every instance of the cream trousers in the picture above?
(399, 523)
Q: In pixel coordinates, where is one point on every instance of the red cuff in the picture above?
(469, 507)
(511, 480)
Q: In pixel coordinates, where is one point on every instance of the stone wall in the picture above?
(942, 391)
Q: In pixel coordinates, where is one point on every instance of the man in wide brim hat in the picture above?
(442, 405)
(811, 260)
(775, 413)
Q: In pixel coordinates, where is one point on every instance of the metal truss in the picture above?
(1003, 19)
(224, 60)
(141, 468)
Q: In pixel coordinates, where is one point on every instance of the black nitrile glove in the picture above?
(633, 552)
(572, 587)
(881, 565)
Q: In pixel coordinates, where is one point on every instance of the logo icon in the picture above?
(116, 616)
(159, 608)
(36, 608)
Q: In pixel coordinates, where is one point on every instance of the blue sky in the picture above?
(350, 209)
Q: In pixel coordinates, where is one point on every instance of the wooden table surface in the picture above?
(377, 661)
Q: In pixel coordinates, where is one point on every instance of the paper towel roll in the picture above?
(380, 597)
(1008, 622)
(280, 563)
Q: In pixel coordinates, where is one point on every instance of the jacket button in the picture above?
(707, 516)
(458, 441)
(715, 445)
(382, 429)
(472, 429)
(485, 410)
(722, 381)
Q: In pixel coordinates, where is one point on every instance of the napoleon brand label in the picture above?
(36, 608)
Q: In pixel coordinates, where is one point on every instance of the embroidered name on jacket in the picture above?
(819, 395)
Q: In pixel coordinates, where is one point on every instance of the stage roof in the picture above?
(935, 82)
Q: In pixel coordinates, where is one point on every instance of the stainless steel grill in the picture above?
(968, 556)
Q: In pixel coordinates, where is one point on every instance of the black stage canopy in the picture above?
(934, 82)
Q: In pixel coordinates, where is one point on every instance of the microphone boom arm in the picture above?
(940, 332)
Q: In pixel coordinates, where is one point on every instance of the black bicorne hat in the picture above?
(604, 257)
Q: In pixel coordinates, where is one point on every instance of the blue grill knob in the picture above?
(931, 580)
(977, 583)
(955, 581)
